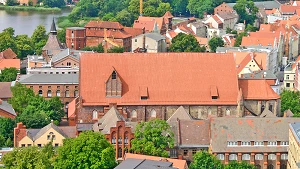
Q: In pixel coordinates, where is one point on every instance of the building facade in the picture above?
(75, 38)
(294, 146)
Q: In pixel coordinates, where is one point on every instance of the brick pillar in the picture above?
(252, 158)
(265, 160)
(277, 161)
(226, 158)
(239, 157)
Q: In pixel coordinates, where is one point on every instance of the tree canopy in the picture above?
(54, 3)
(88, 150)
(33, 110)
(39, 39)
(290, 100)
(8, 74)
(214, 43)
(246, 10)
(185, 43)
(239, 165)
(6, 132)
(152, 138)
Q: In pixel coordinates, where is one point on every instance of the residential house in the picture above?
(64, 86)
(8, 54)
(184, 128)
(177, 163)
(5, 92)
(6, 110)
(294, 146)
(24, 137)
(259, 97)
(223, 8)
(9, 59)
(262, 4)
(199, 28)
(229, 40)
(289, 78)
(152, 42)
(218, 23)
(116, 130)
(261, 141)
(75, 38)
(287, 11)
(147, 98)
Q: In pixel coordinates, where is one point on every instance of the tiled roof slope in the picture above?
(5, 91)
(104, 24)
(257, 90)
(249, 129)
(8, 54)
(171, 78)
(7, 63)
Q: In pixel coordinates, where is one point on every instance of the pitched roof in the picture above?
(264, 74)
(188, 70)
(108, 121)
(295, 128)
(257, 90)
(168, 15)
(180, 114)
(53, 45)
(148, 23)
(133, 31)
(131, 163)
(288, 9)
(5, 91)
(250, 40)
(53, 27)
(118, 34)
(267, 113)
(49, 79)
(7, 108)
(180, 164)
(202, 41)
(289, 113)
(7, 63)
(217, 19)
(224, 129)
(43, 130)
(104, 24)
(68, 52)
(262, 4)
(72, 108)
(8, 54)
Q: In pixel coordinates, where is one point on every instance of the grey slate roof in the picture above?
(296, 130)
(154, 36)
(49, 79)
(68, 52)
(267, 113)
(180, 114)
(8, 108)
(249, 129)
(262, 4)
(84, 127)
(131, 163)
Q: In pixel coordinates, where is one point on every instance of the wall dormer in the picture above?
(114, 85)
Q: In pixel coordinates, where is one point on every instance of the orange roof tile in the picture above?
(7, 63)
(269, 12)
(180, 164)
(8, 54)
(109, 33)
(288, 8)
(217, 19)
(148, 23)
(171, 78)
(257, 90)
(202, 41)
(248, 41)
(168, 15)
(71, 108)
(133, 31)
(104, 24)
(172, 34)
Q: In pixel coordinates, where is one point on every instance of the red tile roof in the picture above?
(257, 90)
(133, 31)
(7, 63)
(148, 23)
(5, 92)
(249, 41)
(288, 8)
(217, 19)
(168, 15)
(71, 108)
(110, 34)
(8, 54)
(171, 78)
(104, 24)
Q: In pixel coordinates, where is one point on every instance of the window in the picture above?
(194, 151)
(48, 137)
(153, 113)
(144, 97)
(39, 145)
(113, 140)
(232, 157)
(67, 87)
(40, 92)
(284, 143)
(259, 157)
(75, 93)
(258, 143)
(53, 137)
(56, 144)
(120, 153)
(133, 114)
(246, 143)
(67, 93)
(28, 145)
(284, 156)
(185, 152)
(271, 157)
(120, 140)
(49, 93)
(22, 145)
(126, 140)
(246, 157)
(288, 85)
(287, 77)
(232, 143)
(220, 156)
(58, 93)
(114, 75)
(272, 143)
(31, 87)
(214, 97)
(95, 114)
(135, 40)
(40, 87)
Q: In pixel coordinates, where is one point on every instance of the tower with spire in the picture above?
(53, 30)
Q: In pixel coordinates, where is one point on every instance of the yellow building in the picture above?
(39, 137)
(294, 146)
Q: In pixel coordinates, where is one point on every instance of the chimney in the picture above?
(19, 133)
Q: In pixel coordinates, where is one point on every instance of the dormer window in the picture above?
(144, 97)
(114, 85)
(214, 92)
(114, 75)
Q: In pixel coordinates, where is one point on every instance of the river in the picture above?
(24, 22)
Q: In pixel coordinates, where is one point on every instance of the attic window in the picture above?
(144, 92)
(214, 97)
(114, 75)
(214, 92)
(144, 97)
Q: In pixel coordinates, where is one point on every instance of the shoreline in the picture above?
(29, 8)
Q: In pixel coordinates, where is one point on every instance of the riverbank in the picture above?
(29, 8)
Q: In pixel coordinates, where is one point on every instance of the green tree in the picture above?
(88, 150)
(25, 46)
(8, 74)
(11, 2)
(290, 100)
(39, 38)
(198, 8)
(21, 96)
(8, 40)
(7, 127)
(54, 3)
(26, 158)
(2, 141)
(238, 40)
(98, 49)
(179, 6)
(246, 10)
(250, 28)
(153, 138)
(239, 165)
(205, 160)
(150, 8)
(184, 43)
(30, 3)
(116, 50)
(215, 42)
(61, 35)
(124, 17)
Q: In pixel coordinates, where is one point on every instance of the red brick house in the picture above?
(6, 110)
(223, 8)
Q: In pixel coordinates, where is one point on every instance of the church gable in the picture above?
(114, 85)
